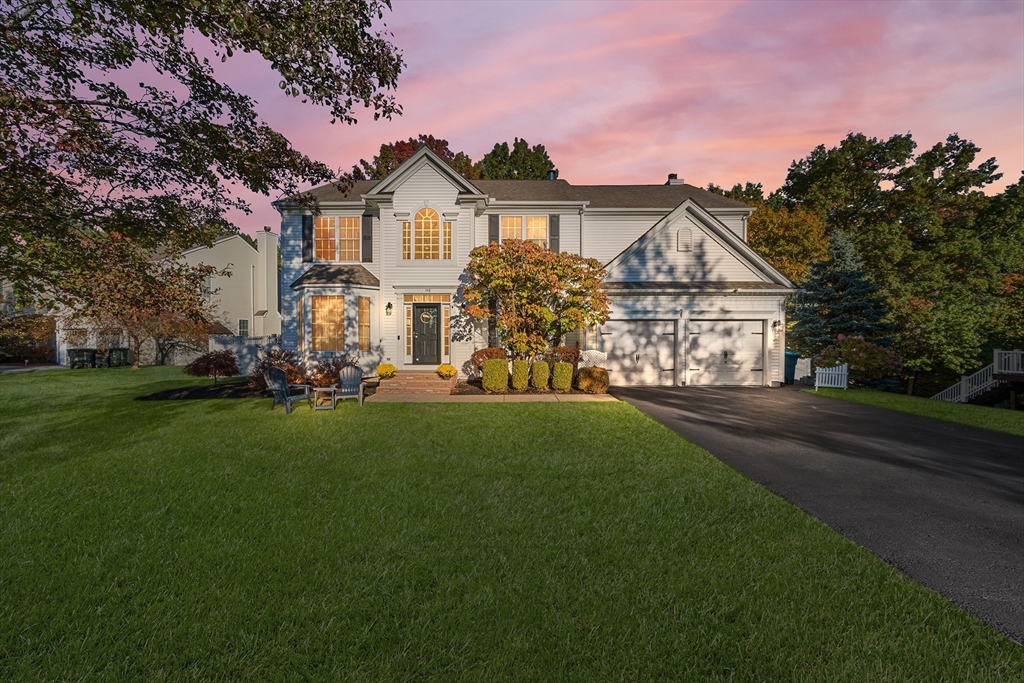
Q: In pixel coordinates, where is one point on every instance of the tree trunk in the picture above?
(910, 384)
(136, 343)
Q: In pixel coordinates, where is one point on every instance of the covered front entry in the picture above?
(726, 352)
(426, 334)
(640, 352)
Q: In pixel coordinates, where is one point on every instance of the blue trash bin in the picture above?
(791, 359)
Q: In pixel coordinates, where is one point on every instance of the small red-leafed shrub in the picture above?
(214, 364)
(480, 356)
(278, 358)
(565, 354)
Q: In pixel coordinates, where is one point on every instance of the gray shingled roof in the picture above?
(599, 196)
(337, 274)
(699, 286)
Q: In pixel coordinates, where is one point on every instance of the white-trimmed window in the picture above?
(364, 323)
(337, 238)
(243, 327)
(527, 228)
(328, 323)
(426, 237)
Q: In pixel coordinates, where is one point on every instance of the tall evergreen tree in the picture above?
(837, 299)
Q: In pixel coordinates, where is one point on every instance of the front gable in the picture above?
(690, 245)
(413, 167)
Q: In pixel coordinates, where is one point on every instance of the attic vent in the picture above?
(684, 240)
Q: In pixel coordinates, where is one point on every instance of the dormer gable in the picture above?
(690, 245)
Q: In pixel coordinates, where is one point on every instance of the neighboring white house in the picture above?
(378, 273)
(246, 302)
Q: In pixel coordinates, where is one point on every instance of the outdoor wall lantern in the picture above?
(388, 309)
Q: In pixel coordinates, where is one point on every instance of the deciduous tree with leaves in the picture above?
(944, 254)
(520, 162)
(394, 154)
(112, 122)
(534, 295)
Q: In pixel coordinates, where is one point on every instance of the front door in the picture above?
(426, 334)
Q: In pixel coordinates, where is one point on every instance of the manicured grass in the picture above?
(1010, 421)
(214, 540)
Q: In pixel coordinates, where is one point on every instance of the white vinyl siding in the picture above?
(660, 259)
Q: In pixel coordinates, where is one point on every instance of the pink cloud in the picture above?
(722, 91)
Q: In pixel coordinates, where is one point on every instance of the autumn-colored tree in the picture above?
(138, 291)
(537, 295)
(173, 332)
(85, 147)
(214, 364)
(393, 154)
(790, 238)
(944, 254)
(521, 162)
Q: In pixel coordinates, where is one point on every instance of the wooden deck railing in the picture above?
(970, 386)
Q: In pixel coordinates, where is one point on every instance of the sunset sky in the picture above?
(724, 92)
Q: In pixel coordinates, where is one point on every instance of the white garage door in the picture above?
(726, 352)
(640, 352)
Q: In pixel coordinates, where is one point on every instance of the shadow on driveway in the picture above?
(943, 502)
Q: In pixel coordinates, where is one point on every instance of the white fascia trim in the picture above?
(219, 241)
(633, 211)
(508, 203)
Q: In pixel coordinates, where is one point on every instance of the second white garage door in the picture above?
(640, 352)
(726, 352)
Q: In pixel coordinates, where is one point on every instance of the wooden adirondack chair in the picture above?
(350, 384)
(277, 384)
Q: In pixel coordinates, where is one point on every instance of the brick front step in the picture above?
(417, 383)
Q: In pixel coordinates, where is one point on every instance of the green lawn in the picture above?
(1010, 421)
(212, 540)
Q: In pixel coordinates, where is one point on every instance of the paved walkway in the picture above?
(941, 501)
(489, 398)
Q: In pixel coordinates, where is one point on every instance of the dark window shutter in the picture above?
(554, 238)
(367, 239)
(307, 239)
(493, 229)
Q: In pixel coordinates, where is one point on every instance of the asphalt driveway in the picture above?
(943, 502)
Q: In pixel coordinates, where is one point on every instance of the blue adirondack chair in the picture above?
(350, 384)
(277, 384)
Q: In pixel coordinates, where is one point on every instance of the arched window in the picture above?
(428, 234)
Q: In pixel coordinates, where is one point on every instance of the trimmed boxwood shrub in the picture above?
(592, 380)
(539, 375)
(561, 378)
(520, 374)
(495, 375)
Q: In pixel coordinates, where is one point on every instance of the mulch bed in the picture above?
(473, 388)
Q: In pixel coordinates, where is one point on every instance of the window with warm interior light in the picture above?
(302, 326)
(325, 238)
(446, 241)
(528, 228)
(348, 238)
(364, 323)
(328, 323)
(427, 235)
(406, 240)
(511, 228)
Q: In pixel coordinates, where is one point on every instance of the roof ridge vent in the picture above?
(674, 179)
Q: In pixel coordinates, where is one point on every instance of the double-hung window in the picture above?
(427, 237)
(337, 238)
(528, 228)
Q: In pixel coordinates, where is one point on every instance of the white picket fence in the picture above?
(246, 349)
(832, 378)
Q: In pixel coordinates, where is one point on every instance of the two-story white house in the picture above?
(377, 273)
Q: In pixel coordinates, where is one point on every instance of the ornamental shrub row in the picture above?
(495, 374)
